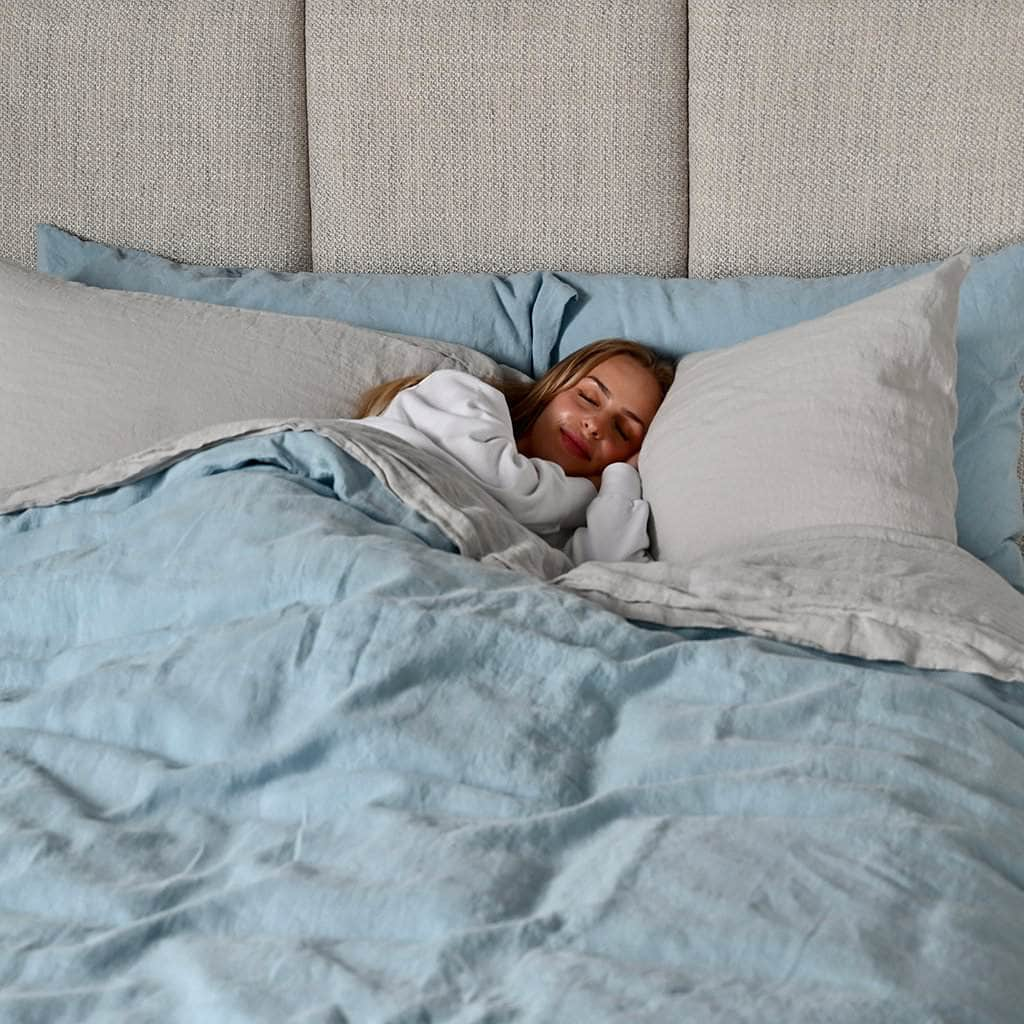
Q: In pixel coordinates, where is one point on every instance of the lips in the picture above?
(574, 445)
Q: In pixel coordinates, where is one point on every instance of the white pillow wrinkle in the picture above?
(847, 419)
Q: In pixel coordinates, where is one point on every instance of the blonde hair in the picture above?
(527, 399)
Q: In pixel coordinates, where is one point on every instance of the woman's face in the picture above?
(600, 419)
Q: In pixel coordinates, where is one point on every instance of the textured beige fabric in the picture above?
(834, 137)
(499, 135)
(172, 125)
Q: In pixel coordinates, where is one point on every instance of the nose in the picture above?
(592, 426)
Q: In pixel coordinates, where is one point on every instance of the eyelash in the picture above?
(590, 401)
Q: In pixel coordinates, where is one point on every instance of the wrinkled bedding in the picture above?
(298, 726)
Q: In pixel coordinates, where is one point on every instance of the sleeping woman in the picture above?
(559, 453)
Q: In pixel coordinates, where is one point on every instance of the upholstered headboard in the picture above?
(714, 137)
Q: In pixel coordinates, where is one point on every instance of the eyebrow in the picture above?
(608, 394)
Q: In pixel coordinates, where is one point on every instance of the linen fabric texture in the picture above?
(505, 317)
(683, 315)
(91, 375)
(845, 420)
(530, 797)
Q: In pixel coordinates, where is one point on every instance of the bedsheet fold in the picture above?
(862, 591)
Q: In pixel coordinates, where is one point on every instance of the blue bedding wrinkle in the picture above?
(269, 748)
(503, 316)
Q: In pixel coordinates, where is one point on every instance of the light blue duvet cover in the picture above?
(272, 750)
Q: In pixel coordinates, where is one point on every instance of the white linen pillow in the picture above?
(845, 419)
(88, 375)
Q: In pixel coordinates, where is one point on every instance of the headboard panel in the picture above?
(174, 125)
(828, 138)
(498, 136)
(713, 137)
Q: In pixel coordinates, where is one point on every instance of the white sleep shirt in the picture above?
(466, 421)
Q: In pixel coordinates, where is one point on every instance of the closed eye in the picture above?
(586, 398)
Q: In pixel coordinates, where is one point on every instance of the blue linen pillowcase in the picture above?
(503, 317)
(682, 315)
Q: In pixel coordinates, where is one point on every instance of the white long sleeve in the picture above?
(467, 421)
(616, 529)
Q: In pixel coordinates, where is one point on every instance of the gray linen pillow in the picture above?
(846, 419)
(90, 375)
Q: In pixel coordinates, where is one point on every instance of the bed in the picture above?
(297, 724)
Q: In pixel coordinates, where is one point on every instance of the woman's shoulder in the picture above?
(458, 386)
(457, 378)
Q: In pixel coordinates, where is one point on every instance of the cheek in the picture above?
(559, 406)
(545, 430)
(553, 416)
